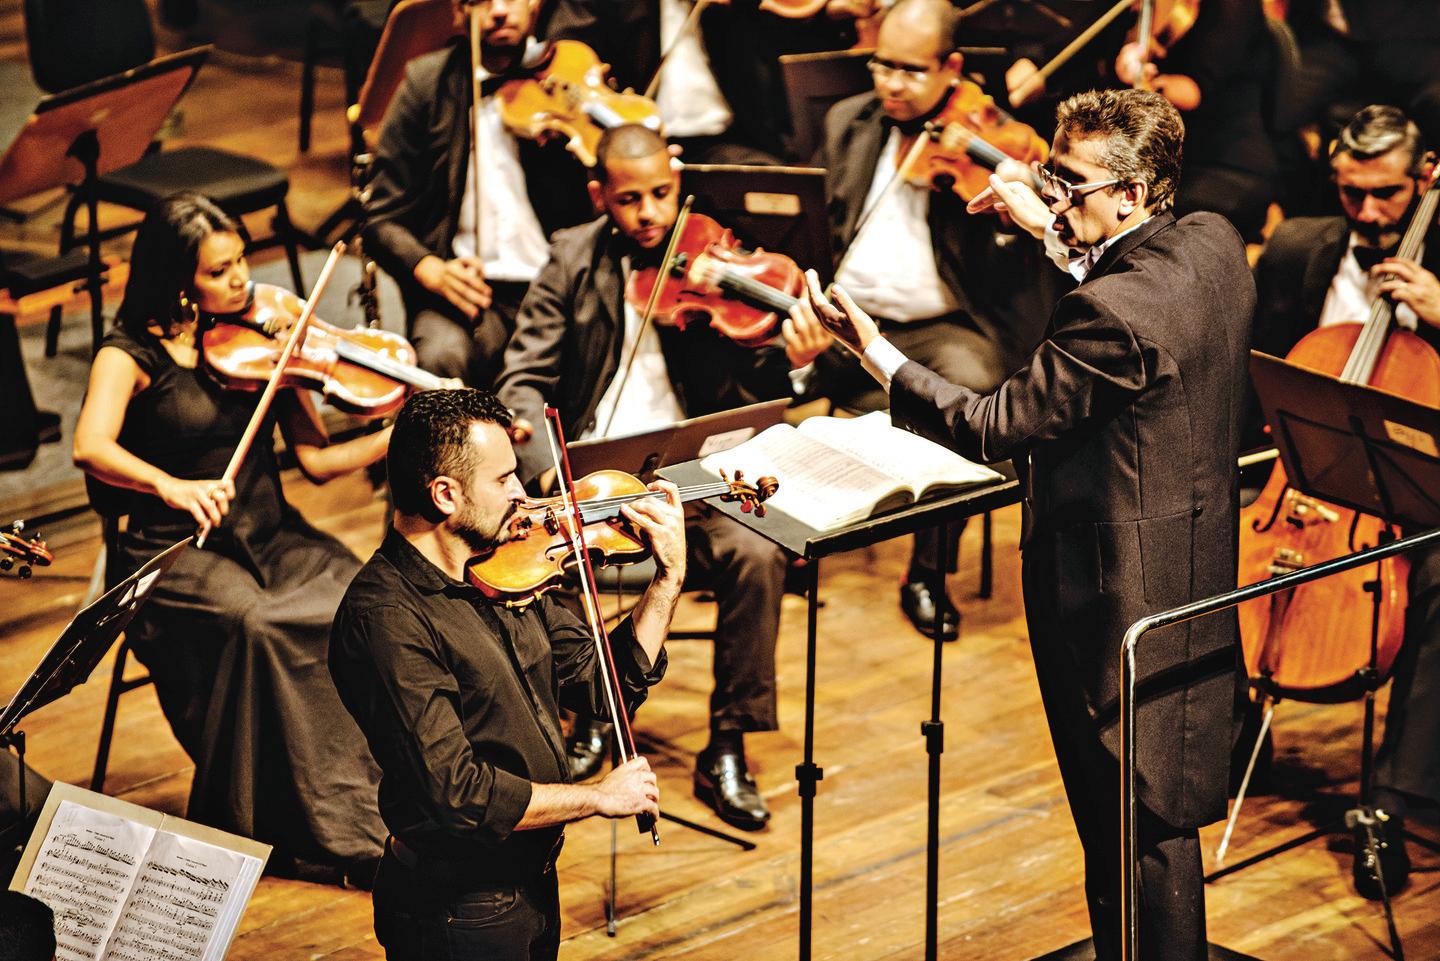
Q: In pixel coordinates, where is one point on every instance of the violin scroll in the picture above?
(752, 497)
(27, 552)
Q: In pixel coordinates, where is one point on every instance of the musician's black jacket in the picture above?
(417, 178)
(459, 699)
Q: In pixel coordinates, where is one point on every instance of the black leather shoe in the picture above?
(722, 782)
(1394, 860)
(918, 603)
(586, 748)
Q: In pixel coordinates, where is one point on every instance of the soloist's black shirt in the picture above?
(459, 699)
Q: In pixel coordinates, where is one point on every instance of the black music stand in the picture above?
(1373, 452)
(78, 650)
(644, 453)
(778, 208)
(78, 134)
(811, 544)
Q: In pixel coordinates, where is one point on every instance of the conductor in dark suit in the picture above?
(1127, 417)
(421, 215)
(1318, 271)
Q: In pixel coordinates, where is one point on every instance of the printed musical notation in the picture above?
(128, 892)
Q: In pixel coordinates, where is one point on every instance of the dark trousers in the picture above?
(746, 572)
(420, 919)
(954, 349)
(1172, 882)
(1408, 761)
(449, 344)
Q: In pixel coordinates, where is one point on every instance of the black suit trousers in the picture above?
(1408, 761)
(418, 919)
(448, 344)
(1172, 882)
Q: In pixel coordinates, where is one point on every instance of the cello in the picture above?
(1314, 643)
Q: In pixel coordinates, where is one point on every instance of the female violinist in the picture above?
(236, 634)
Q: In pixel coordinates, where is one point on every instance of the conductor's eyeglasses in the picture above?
(1054, 185)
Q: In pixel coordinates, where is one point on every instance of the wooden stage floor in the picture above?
(1010, 876)
(1010, 862)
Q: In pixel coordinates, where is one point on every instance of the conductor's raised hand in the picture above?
(662, 521)
(629, 789)
(854, 328)
(1013, 195)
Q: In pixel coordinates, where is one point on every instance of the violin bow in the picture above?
(272, 386)
(667, 263)
(1143, 34)
(1022, 93)
(473, 14)
(590, 594)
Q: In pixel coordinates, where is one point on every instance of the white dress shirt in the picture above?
(688, 98)
(890, 270)
(512, 243)
(648, 399)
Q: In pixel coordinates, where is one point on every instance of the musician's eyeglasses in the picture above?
(883, 70)
(1054, 185)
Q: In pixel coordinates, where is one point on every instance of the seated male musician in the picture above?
(953, 291)
(574, 333)
(720, 91)
(421, 217)
(1324, 270)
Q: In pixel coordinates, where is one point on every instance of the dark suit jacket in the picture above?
(1129, 412)
(566, 346)
(1006, 292)
(417, 181)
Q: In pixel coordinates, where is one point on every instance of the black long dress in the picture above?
(236, 635)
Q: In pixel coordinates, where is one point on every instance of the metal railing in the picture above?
(1129, 840)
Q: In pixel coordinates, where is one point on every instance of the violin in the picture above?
(541, 547)
(966, 141)
(363, 371)
(566, 95)
(712, 280)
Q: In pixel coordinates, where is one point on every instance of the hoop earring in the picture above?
(187, 306)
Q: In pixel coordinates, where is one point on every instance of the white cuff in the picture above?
(882, 359)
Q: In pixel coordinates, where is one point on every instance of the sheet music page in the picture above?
(917, 462)
(84, 870)
(187, 899)
(820, 486)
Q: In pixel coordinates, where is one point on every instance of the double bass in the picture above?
(1313, 643)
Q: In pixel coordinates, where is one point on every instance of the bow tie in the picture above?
(1368, 257)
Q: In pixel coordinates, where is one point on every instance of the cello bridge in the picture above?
(1285, 561)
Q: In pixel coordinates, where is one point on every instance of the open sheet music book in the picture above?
(130, 884)
(834, 471)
